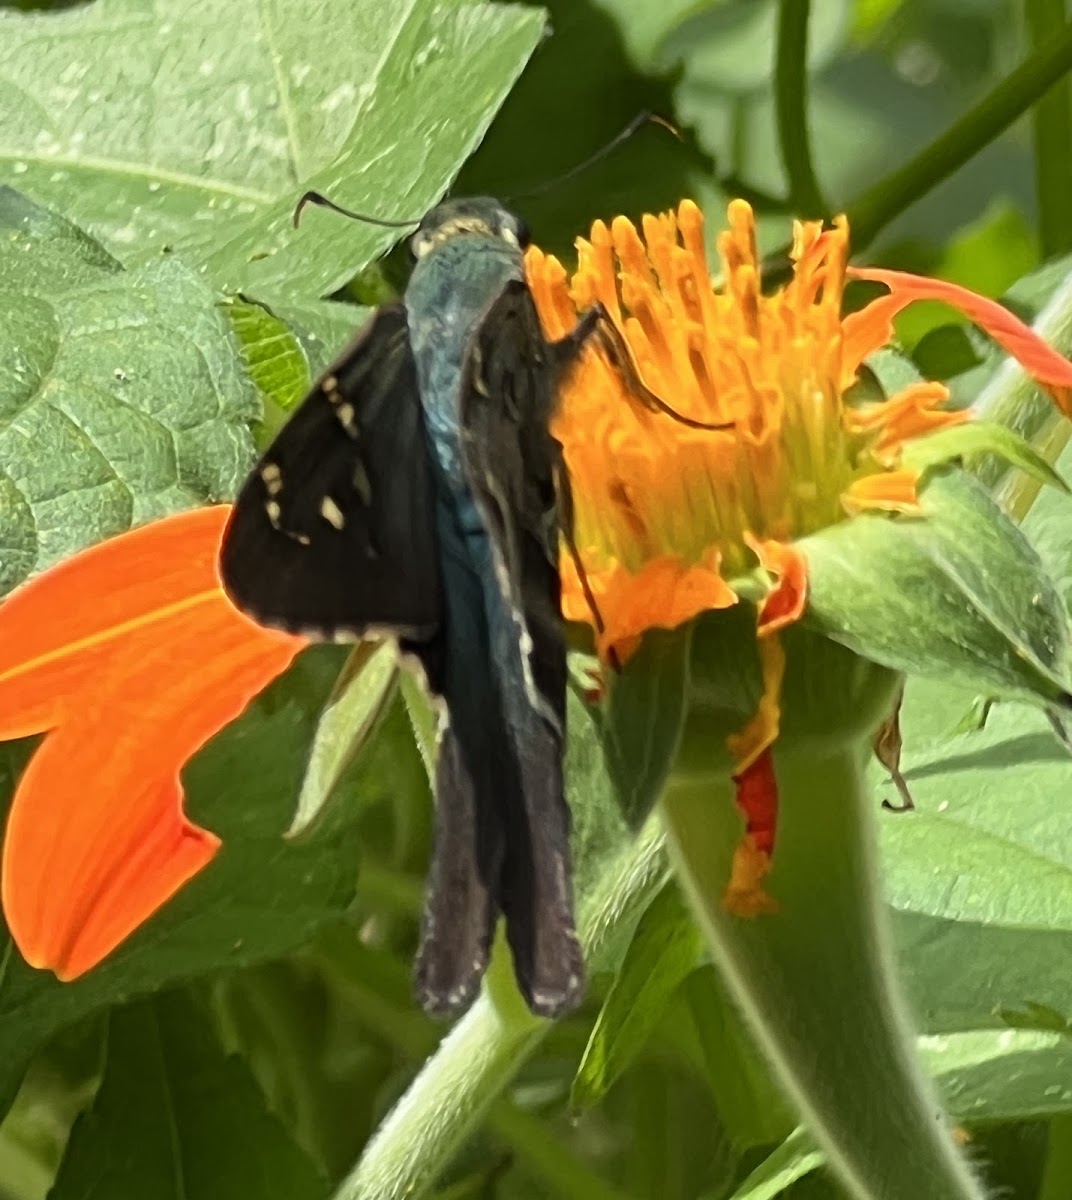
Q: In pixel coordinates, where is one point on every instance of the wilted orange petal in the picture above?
(57, 630)
(785, 603)
(751, 742)
(891, 491)
(1041, 361)
(96, 840)
(757, 798)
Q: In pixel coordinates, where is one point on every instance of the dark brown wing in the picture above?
(333, 533)
(510, 458)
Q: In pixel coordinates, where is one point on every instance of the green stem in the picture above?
(791, 106)
(1051, 132)
(816, 979)
(447, 1100)
(870, 213)
(554, 1161)
(480, 1056)
(1057, 1177)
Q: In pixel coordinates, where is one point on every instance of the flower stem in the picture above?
(816, 980)
(477, 1060)
(452, 1093)
(1057, 1177)
(870, 213)
(1051, 131)
(791, 105)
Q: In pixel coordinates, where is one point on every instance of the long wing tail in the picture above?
(536, 891)
(461, 905)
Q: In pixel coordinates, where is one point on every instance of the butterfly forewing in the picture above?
(333, 533)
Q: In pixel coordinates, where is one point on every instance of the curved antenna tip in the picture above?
(318, 198)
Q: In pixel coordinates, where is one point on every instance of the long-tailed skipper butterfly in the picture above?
(418, 492)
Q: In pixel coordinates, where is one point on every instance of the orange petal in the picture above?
(757, 798)
(888, 491)
(663, 594)
(786, 601)
(96, 840)
(58, 629)
(1040, 360)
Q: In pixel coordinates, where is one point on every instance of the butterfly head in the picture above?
(472, 214)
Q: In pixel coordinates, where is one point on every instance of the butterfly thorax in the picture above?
(448, 296)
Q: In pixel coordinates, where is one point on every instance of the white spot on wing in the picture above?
(332, 513)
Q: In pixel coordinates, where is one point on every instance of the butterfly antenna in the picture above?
(637, 123)
(323, 202)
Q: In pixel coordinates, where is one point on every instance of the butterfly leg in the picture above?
(596, 323)
(564, 492)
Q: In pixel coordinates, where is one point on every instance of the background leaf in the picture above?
(664, 950)
(124, 397)
(233, 110)
(176, 1117)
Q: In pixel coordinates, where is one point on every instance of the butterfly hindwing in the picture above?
(333, 533)
(507, 402)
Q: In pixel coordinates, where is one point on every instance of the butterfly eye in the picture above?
(522, 233)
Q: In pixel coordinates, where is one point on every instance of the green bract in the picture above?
(957, 593)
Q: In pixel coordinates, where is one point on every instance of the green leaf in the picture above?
(561, 112)
(979, 876)
(1046, 524)
(949, 350)
(176, 1117)
(958, 593)
(358, 701)
(123, 394)
(262, 895)
(643, 716)
(323, 327)
(984, 1077)
(233, 111)
(751, 1106)
(973, 440)
(275, 360)
(794, 1158)
(663, 952)
(1011, 397)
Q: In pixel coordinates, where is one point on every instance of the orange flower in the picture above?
(129, 657)
(667, 516)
